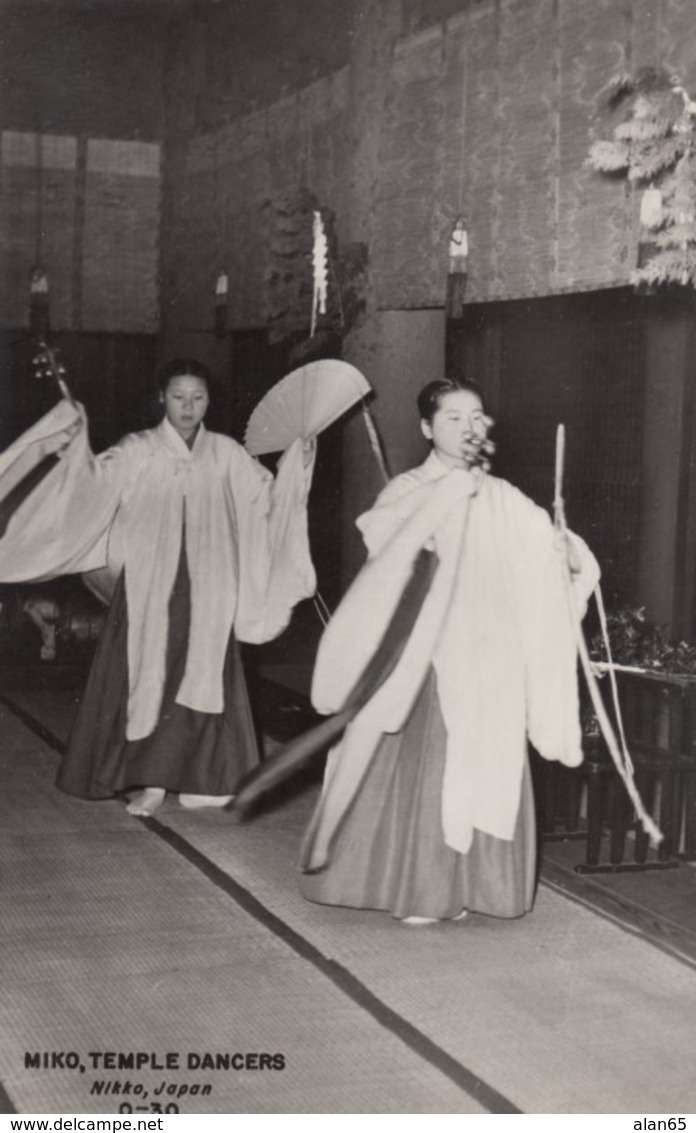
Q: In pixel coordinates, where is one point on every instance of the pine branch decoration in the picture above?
(655, 147)
(637, 641)
(294, 266)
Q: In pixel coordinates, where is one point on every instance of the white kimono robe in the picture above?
(497, 626)
(246, 542)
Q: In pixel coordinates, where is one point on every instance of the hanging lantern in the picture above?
(458, 269)
(459, 248)
(39, 302)
(222, 287)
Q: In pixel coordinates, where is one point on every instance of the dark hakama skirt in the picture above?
(191, 752)
(390, 853)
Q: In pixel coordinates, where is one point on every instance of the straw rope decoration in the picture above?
(322, 267)
(619, 753)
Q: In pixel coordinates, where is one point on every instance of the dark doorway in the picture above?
(577, 360)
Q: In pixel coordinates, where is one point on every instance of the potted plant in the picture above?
(656, 681)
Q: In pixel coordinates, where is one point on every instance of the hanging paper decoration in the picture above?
(288, 239)
(689, 103)
(459, 248)
(458, 269)
(39, 301)
(287, 229)
(221, 301)
(651, 211)
(320, 253)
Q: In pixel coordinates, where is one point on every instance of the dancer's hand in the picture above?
(58, 443)
(565, 546)
(456, 487)
(309, 451)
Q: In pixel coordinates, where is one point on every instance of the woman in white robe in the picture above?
(427, 809)
(197, 547)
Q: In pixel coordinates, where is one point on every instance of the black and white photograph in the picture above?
(348, 559)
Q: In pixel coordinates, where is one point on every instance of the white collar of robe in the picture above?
(177, 442)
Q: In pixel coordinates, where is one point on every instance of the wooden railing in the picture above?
(589, 804)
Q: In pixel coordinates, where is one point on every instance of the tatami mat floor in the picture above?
(186, 934)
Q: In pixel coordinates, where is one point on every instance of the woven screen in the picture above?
(120, 253)
(89, 214)
(37, 222)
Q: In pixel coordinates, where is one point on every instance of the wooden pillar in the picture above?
(398, 351)
(667, 550)
(408, 352)
(684, 618)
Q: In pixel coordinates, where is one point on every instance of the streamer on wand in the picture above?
(48, 365)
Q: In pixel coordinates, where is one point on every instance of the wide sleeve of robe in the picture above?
(405, 518)
(275, 563)
(62, 526)
(395, 504)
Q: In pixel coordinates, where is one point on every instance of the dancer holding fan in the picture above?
(427, 807)
(196, 546)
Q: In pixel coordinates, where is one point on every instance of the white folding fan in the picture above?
(303, 404)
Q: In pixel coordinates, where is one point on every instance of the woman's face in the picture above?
(185, 403)
(457, 429)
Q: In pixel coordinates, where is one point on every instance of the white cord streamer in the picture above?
(320, 253)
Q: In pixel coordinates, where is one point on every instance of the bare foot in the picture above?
(195, 802)
(146, 802)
